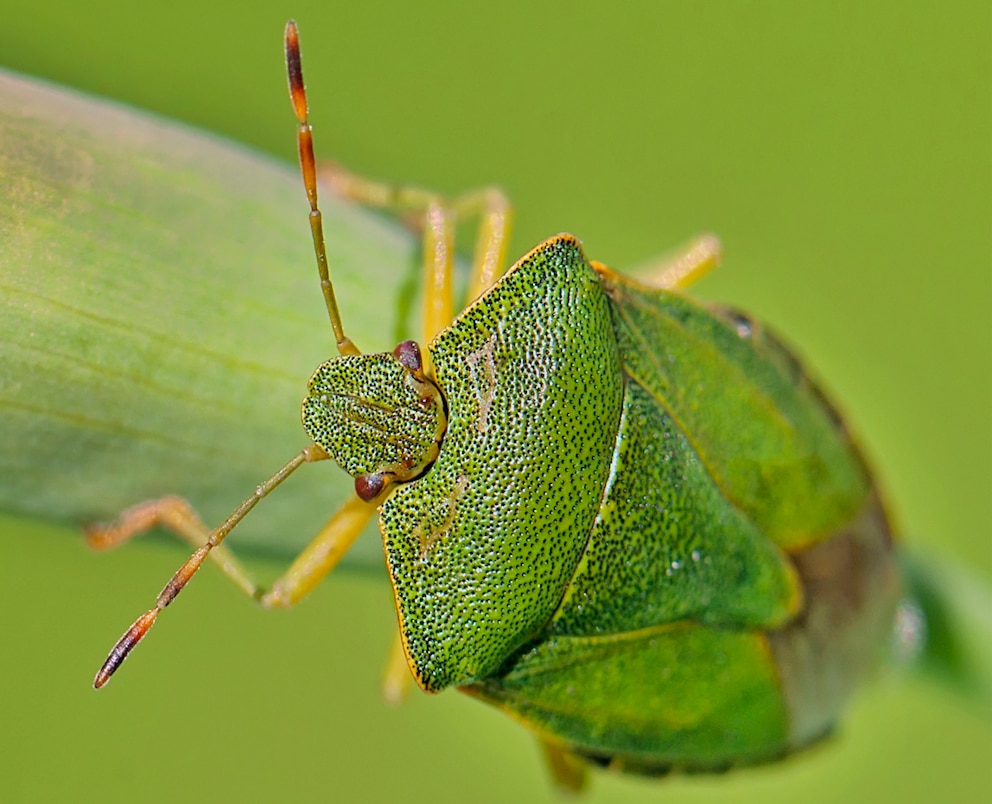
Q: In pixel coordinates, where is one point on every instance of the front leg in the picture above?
(306, 571)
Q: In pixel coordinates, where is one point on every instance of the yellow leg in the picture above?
(320, 556)
(685, 266)
(495, 216)
(439, 260)
(306, 571)
(397, 681)
(438, 218)
(176, 515)
(567, 771)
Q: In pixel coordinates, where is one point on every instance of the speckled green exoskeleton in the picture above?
(631, 521)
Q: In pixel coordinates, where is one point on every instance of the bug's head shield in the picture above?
(377, 415)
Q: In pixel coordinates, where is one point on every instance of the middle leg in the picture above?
(438, 219)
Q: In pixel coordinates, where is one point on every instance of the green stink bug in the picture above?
(630, 521)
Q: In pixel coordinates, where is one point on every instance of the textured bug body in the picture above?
(630, 521)
(646, 534)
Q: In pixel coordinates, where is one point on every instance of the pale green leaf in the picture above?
(160, 315)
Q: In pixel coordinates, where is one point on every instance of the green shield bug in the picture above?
(631, 521)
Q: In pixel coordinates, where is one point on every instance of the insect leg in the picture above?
(306, 571)
(176, 515)
(683, 267)
(567, 771)
(413, 204)
(406, 201)
(421, 208)
(397, 681)
(319, 557)
(439, 260)
(495, 216)
(316, 561)
(494, 213)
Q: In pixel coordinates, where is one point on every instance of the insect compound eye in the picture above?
(367, 487)
(408, 353)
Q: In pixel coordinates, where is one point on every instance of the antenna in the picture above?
(178, 582)
(308, 165)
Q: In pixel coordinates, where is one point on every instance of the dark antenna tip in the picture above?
(295, 71)
(308, 167)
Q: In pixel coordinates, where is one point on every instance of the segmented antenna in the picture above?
(308, 165)
(178, 582)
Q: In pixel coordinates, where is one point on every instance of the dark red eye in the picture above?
(367, 487)
(408, 353)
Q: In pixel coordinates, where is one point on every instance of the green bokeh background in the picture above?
(843, 152)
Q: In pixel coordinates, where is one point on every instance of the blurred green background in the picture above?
(843, 152)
